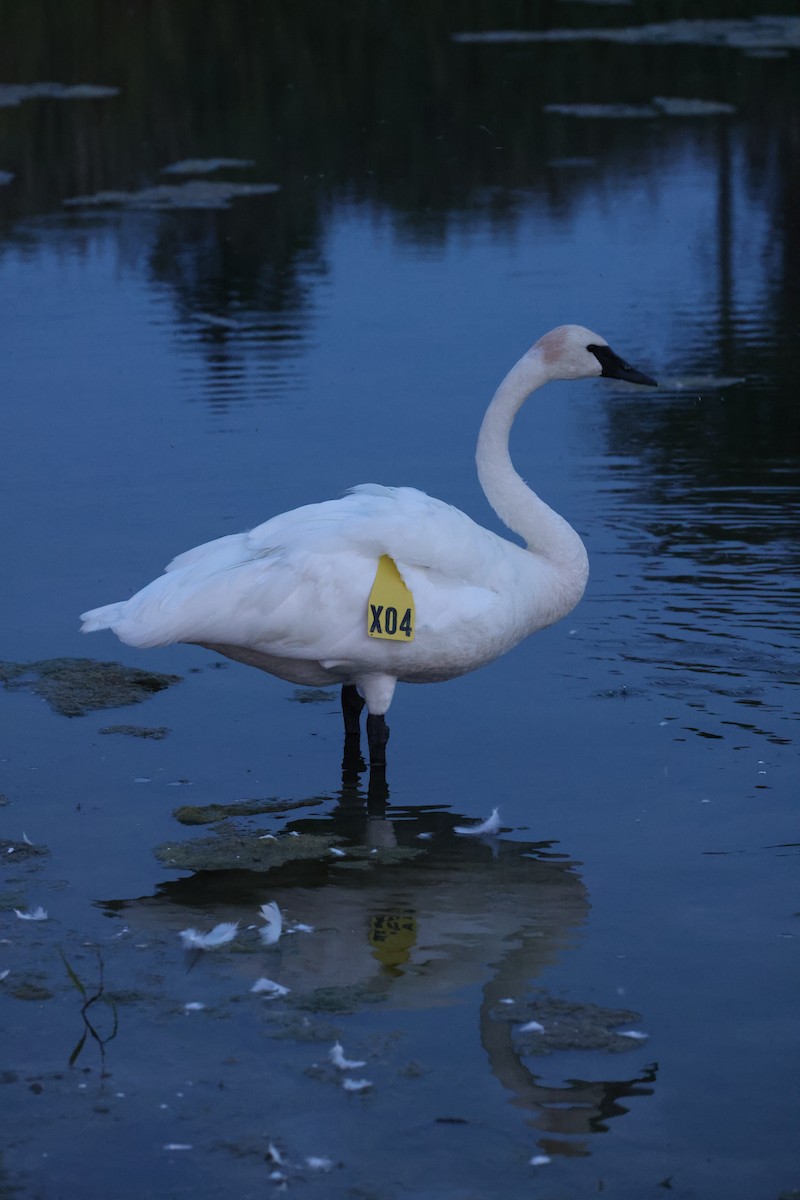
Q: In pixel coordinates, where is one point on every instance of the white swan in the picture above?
(292, 596)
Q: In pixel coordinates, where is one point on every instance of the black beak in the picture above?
(614, 367)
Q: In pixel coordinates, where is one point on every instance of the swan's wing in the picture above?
(458, 572)
(222, 552)
(297, 585)
(415, 529)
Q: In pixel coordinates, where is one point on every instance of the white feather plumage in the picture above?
(336, 1055)
(220, 935)
(487, 828)
(34, 914)
(269, 989)
(271, 931)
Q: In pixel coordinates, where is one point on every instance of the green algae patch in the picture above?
(659, 106)
(336, 1000)
(209, 814)
(228, 849)
(758, 35)
(566, 1025)
(312, 696)
(206, 166)
(13, 852)
(292, 1026)
(192, 194)
(31, 988)
(14, 94)
(155, 733)
(362, 857)
(76, 686)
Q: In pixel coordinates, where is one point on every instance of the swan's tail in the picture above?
(101, 618)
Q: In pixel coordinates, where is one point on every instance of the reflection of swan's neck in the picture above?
(545, 532)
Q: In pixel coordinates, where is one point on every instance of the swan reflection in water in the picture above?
(415, 917)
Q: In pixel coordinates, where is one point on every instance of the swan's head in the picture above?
(573, 352)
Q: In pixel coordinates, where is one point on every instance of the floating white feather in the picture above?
(273, 927)
(483, 829)
(319, 1164)
(34, 914)
(336, 1055)
(220, 935)
(269, 989)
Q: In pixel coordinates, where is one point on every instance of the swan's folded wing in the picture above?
(415, 529)
(298, 584)
(212, 556)
(258, 602)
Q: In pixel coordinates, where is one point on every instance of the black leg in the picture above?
(377, 790)
(352, 705)
(377, 737)
(352, 761)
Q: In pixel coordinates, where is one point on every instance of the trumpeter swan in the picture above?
(386, 583)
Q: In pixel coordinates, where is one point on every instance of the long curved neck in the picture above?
(544, 531)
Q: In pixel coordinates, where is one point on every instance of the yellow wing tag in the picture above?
(390, 612)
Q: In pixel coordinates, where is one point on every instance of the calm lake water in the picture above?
(173, 374)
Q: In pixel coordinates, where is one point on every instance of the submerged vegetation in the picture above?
(76, 686)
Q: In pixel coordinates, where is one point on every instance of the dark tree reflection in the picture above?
(374, 103)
